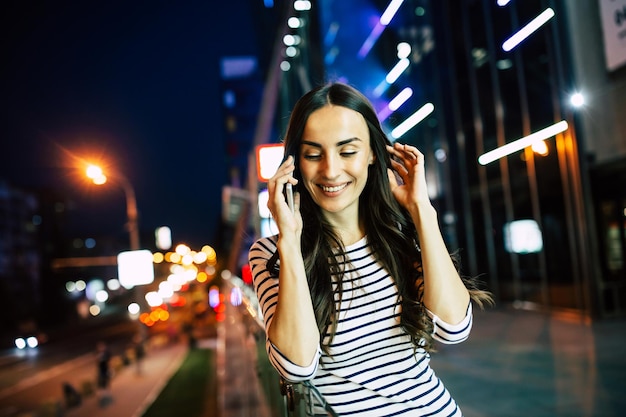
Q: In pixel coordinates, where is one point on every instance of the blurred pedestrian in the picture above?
(139, 349)
(71, 395)
(104, 374)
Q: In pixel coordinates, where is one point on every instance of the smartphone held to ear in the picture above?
(289, 192)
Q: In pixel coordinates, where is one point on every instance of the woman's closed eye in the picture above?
(312, 157)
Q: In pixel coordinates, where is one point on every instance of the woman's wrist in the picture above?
(423, 212)
(288, 242)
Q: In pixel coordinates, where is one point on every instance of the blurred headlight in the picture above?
(20, 343)
(32, 342)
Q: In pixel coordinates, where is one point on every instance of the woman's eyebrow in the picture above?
(340, 143)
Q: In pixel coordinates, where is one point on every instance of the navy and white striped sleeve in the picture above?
(452, 333)
(266, 288)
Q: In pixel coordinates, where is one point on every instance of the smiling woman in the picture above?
(334, 161)
(358, 284)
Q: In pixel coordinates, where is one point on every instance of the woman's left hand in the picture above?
(408, 162)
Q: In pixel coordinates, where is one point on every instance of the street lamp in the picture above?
(98, 177)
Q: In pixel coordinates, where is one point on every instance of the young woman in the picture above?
(358, 283)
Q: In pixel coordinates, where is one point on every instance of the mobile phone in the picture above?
(289, 191)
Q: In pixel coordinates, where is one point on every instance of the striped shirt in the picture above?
(373, 368)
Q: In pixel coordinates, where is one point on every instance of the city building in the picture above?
(543, 223)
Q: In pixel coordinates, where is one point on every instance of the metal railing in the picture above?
(284, 399)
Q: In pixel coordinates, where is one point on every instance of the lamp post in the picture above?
(97, 176)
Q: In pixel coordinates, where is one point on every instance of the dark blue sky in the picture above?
(134, 82)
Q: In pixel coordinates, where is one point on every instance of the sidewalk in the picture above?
(520, 363)
(239, 388)
(132, 393)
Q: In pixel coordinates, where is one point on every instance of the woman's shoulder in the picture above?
(266, 245)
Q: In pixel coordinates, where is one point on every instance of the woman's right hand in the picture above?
(286, 220)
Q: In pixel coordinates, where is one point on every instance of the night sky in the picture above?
(135, 84)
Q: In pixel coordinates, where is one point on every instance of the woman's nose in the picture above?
(330, 167)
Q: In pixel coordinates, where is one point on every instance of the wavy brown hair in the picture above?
(390, 230)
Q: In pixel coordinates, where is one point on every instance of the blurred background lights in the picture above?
(441, 155)
(390, 12)
(163, 237)
(166, 290)
(135, 267)
(412, 120)
(95, 173)
(540, 148)
(294, 22)
(94, 310)
(262, 200)
(133, 308)
(214, 296)
(401, 98)
(113, 284)
(182, 250)
(158, 257)
(153, 299)
(577, 100)
(527, 30)
(523, 236)
(404, 50)
(93, 287)
(30, 342)
(397, 70)
(291, 51)
(236, 296)
(302, 5)
(102, 296)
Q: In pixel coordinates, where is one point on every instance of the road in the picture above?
(33, 377)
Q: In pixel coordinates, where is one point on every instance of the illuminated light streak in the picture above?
(527, 30)
(412, 120)
(370, 41)
(330, 57)
(391, 77)
(520, 144)
(384, 113)
(331, 34)
(384, 20)
(397, 70)
(400, 99)
(503, 3)
(380, 89)
(395, 103)
(390, 12)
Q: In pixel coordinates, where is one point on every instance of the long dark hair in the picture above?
(390, 231)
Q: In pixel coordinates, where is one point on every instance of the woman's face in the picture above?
(334, 158)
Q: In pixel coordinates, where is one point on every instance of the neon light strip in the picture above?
(390, 12)
(370, 41)
(413, 119)
(395, 103)
(527, 30)
(384, 20)
(520, 144)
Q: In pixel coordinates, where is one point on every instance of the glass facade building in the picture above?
(544, 226)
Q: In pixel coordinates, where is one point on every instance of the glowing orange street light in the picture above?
(98, 177)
